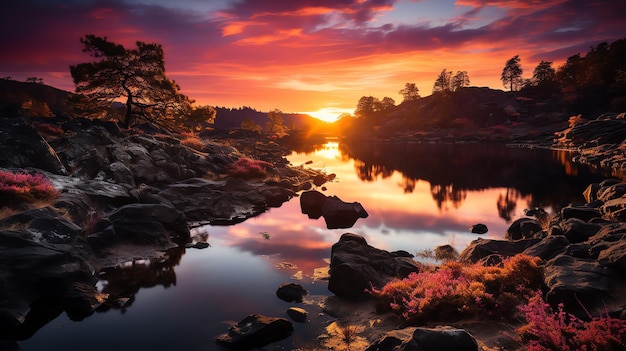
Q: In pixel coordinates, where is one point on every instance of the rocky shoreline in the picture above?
(123, 196)
(132, 195)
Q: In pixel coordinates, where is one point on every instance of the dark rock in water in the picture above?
(291, 292)
(523, 228)
(340, 214)
(479, 228)
(355, 266)
(336, 213)
(21, 146)
(536, 212)
(255, 331)
(298, 314)
(481, 248)
(311, 203)
(422, 339)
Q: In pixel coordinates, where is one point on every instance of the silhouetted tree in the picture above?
(274, 126)
(410, 92)
(512, 73)
(136, 75)
(443, 82)
(387, 103)
(460, 80)
(248, 124)
(544, 73)
(35, 80)
(367, 106)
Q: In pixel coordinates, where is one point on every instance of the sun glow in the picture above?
(328, 114)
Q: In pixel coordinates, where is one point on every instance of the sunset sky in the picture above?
(309, 55)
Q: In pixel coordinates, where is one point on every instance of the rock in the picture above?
(591, 192)
(614, 209)
(337, 213)
(311, 203)
(574, 281)
(481, 248)
(82, 300)
(523, 228)
(140, 224)
(576, 230)
(583, 213)
(423, 339)
(548, 247)
(298, 314)
(340, 214)
(479, 228)
(21, 146)
(255, 331)
(32, 272)
(291, 292)
(355, 266)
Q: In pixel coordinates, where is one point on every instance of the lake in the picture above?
(418, 196)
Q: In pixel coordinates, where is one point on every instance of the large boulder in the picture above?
(311, 203)
(579, 283)
(255, 331)
(356, 266)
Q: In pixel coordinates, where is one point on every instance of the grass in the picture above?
(193, 142)
(246, 168)
(17, 188)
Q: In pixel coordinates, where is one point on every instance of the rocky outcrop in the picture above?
(584, 248)
(337, 213)
(255, 331)
(356, 266)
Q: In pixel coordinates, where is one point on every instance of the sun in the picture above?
(328, 114)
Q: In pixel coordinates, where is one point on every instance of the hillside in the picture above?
(38, 99)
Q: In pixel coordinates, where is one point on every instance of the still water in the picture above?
(417, 196)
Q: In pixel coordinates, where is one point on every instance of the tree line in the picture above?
(596, 79)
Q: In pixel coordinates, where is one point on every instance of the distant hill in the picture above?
(44, 100)
(39, 99)
(228, 118)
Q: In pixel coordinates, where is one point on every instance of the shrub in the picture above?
(22, 187)
(246, 168)
(454, 289)
(193, 142)
(557, 330)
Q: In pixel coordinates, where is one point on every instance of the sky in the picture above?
(316, 56)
